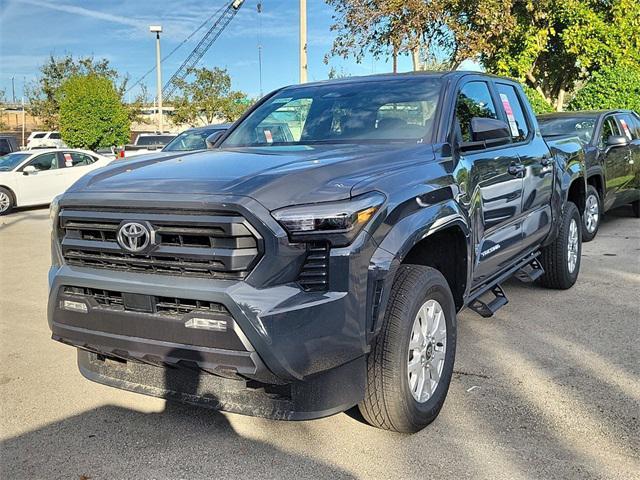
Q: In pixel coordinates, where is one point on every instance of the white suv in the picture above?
(45, 140)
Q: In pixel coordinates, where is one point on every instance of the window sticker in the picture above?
(267, 136)
(513, 125)
(625, 128)
(68, 161)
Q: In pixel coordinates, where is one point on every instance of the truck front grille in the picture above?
(213, 245)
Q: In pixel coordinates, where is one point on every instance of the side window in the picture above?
(474, 100)
(636, 121)
(513, 109)
(55, 136)
(47, 161)
(609, 127)
(75, 159)
(629, 126)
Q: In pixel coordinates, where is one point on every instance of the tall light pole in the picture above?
(303, 41)
(157, 29)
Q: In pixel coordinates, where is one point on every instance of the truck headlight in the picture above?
(337, 222)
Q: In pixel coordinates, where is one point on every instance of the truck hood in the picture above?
(274, 176)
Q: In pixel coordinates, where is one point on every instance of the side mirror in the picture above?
(617, 141)
(488, 129)
(29, 169)
(486, 132)
(213, 138)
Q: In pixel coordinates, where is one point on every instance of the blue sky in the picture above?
(30, 30)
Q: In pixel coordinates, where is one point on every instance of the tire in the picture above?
(6, 201)
(636, 208)
(555, 257)
(389, 402)
(592, 214)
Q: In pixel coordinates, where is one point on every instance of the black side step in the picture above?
(530, 272)
(487, 309)
(492, 285)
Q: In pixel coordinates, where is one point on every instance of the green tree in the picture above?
(439, 32)
(91, 113)
(556, 45)
(208, 98)
(537, 101)
(615, 87)
(42, 95)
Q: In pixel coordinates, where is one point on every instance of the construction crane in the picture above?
(203, 45)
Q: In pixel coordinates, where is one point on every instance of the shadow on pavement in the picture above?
(183, 441)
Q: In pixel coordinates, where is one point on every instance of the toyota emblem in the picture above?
(134, 237)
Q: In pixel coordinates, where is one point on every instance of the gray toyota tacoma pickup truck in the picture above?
(315, 260)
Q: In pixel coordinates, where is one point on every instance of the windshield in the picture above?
(401, 109)
(12, 160)
(559, 126)
(145, 140)
(190, 140)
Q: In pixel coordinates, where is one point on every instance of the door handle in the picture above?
(516, 169)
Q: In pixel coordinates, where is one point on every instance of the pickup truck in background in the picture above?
(295, 274)
(188, 141)
(145, 143)
(612, 154)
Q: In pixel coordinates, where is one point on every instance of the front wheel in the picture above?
(561, 259)
(6, 201)
(592, 214)
(411, 361)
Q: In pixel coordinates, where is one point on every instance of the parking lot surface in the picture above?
(547, 388)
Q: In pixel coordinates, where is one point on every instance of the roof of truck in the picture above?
(394, 76)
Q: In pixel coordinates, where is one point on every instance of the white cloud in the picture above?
(84, 12)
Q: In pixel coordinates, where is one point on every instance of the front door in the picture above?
(630, 126)
(492, 186)
(44, 183)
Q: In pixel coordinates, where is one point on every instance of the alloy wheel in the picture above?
(427, 349)
(572, 246)
(591, 214)
(5, 202)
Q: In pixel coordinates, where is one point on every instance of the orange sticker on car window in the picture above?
(68, 160)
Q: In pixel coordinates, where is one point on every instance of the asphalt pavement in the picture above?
(547, 388)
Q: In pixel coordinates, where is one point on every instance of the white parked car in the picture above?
(45, 140)
(36, 177)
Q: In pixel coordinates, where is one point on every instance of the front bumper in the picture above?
(295, 354)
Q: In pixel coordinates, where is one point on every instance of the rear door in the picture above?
(615, 161)
(492, 187)
(536, 159)
(630, 126)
